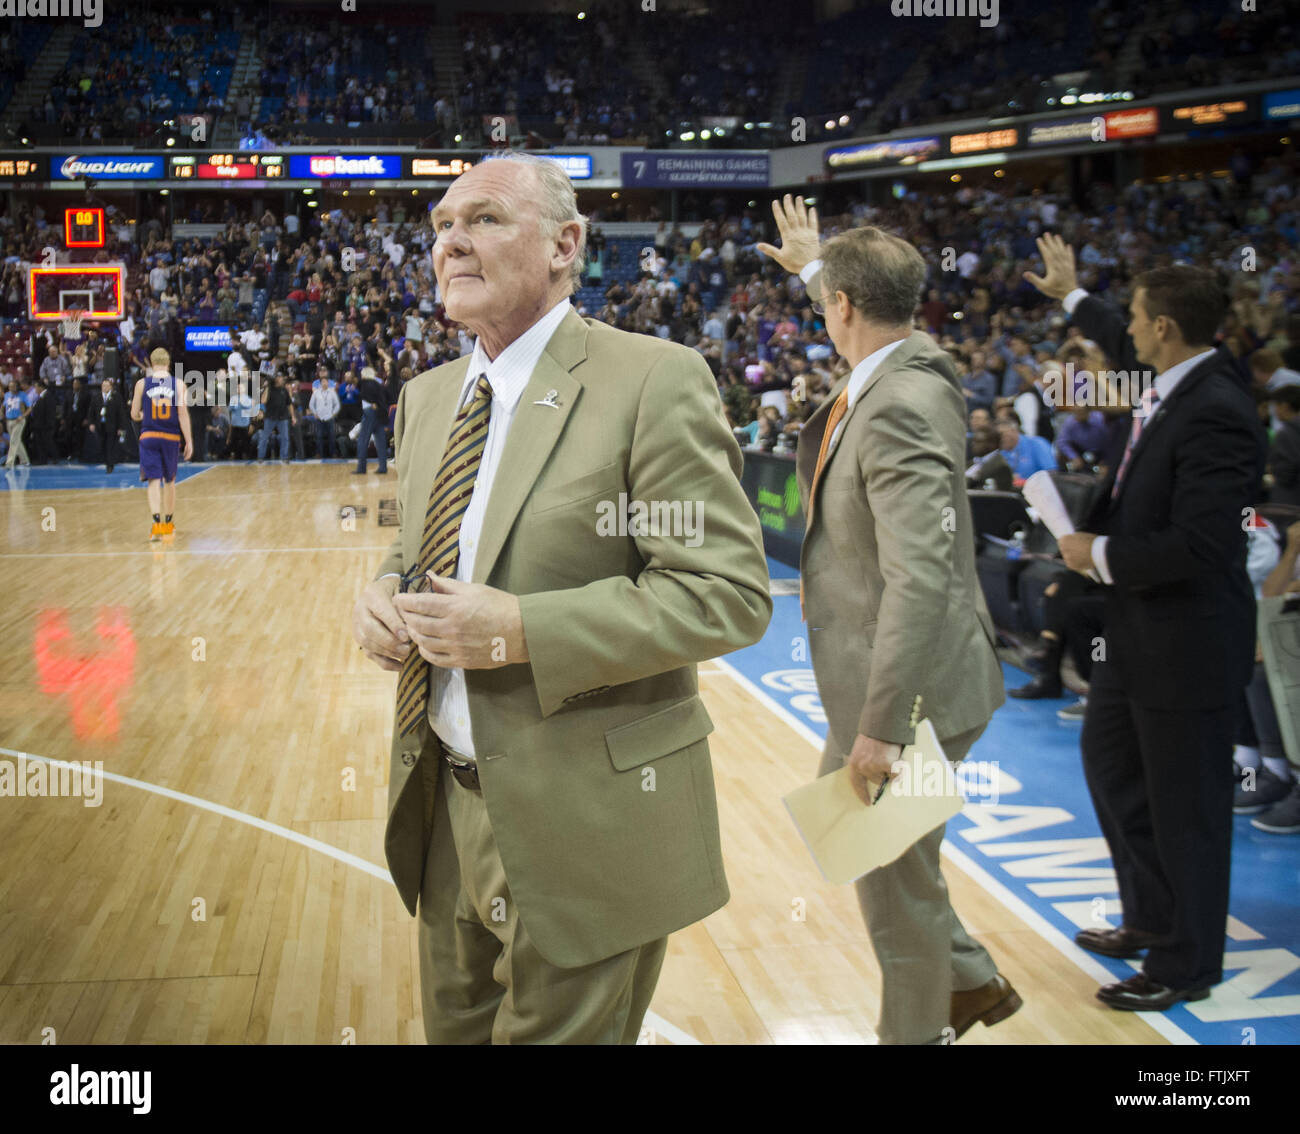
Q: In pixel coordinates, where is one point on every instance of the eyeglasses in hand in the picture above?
(416, 583)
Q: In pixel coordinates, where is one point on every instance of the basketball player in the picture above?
(158, 403)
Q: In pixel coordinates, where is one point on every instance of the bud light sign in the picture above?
(106, 167)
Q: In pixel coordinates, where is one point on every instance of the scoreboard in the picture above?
(227, 167)
(23, 167)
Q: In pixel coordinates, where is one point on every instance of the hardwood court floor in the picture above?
(231, 887)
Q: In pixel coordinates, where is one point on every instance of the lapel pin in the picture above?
(552, 399)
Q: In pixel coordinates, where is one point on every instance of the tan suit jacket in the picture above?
(898, 627)
(592, 755)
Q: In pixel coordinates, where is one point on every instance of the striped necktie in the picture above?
(440, 543)
(1140, 419)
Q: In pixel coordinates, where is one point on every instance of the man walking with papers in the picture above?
(1167, 537)
(898, 629)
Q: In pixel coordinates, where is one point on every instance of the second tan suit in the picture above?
(898, 630)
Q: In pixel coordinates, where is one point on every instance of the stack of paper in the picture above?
(1041, 495)
(848, 838)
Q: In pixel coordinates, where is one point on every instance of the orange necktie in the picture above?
(838, 410)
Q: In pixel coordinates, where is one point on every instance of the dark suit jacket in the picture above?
(78, 407)
(1180, 616)
(115, 418)
(43, 415)
(1108, 328)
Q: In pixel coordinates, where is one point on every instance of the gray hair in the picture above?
(881, 274)
(557, 205)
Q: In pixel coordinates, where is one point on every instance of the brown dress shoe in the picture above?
(989, 1003)
(1122, 942)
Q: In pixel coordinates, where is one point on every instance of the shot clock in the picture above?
(83, 228)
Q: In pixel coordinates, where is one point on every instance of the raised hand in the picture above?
(800, 243)
(1058, 258)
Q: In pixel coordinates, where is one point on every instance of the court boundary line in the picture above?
(65, 468)
(992, 886)
(656, 1023)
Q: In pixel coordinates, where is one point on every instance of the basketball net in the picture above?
(70, 325)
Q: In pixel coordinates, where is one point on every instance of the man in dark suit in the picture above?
(104, 419)
(41, 424)
(1166, 537)
(74, 419)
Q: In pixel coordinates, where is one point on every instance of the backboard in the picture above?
(98, 290)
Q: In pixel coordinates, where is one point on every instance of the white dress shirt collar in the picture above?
(1166, 382)
(510, 371)
(861, 372)
(867, 366)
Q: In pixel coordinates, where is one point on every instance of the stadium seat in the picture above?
(999, 514)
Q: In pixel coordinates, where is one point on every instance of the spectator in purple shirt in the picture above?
(1084, 431)
(356, 356)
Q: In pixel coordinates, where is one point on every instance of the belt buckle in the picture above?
(466, 773)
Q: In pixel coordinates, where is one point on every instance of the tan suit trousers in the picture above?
(482, 980)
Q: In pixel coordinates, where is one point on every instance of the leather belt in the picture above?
(466, 772)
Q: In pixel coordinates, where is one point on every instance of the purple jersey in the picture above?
(159, 407)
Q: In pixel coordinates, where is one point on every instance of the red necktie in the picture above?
(1140, 419)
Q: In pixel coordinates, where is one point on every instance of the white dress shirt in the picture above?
(865, 368)
(508, 374)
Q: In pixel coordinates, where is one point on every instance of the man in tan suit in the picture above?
(574, 538)
(898, 628)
